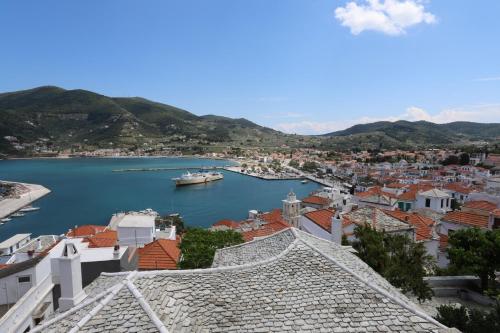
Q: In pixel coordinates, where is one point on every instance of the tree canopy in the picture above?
(397, 258)
(477, 252)
(470, 320)
(198, 246)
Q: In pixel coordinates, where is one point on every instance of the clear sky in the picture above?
(301, 66)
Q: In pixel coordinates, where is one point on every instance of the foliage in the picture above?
(168, 220)
(464, 159)
(475, 251)
(294, 164)
(397, 258)
(310, 166)
(452, 159)
(198, 246)
(470, 320)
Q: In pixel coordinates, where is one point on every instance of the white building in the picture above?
(136, 229)
(436, 200)
(10, 245)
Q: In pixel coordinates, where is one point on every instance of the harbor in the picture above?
(25, 195)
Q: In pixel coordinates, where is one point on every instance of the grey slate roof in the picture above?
(290, 281)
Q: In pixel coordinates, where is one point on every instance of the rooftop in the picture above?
(466, 218)
(290, 281)
(137, 221)
(322, 217)
(13, 240)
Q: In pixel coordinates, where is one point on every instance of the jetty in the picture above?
(28, 193)
(170, 169)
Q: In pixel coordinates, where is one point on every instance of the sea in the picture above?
(88, 191)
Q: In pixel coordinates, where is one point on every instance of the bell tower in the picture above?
(291, 209)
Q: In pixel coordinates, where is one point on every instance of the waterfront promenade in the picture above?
(33, 192)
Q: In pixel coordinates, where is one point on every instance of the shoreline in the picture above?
(9, 206)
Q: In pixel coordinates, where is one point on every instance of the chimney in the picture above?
(116, 252)
(70, 275)
(491, 221)
(337, 229)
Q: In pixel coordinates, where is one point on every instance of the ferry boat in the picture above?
(29, 209)
(197, 178)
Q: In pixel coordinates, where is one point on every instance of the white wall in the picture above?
(132, 236)
(435, 204)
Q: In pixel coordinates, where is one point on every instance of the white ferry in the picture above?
(197, 178)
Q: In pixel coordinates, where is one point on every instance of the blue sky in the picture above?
(307, 66)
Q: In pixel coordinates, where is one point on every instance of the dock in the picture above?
(170, 169)
(9, 206)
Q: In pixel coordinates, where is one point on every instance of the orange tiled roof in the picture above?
(103, 239)
(160, 254)
(228, 223)
(265, 230)
(316, 200)
(457, 187)
(411, 194)
(481, 205)
(86, 230)
(466, 218)
(423, 224)
(322, 217)
(273, 216)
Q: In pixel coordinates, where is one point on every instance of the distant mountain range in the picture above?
(61, 118)
(68, 117)
(407, 134)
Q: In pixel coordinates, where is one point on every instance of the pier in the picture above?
(34, 192)
(170, 169)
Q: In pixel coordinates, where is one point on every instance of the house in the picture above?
(435, 200)
(480, 207)
(318, 223)
(315, 201)
(376, 197)
(136, 229)
(376, 218)
(458, 192)
(290, 281)
(10, 245)
(160, 254)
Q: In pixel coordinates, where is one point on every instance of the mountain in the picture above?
(68, 118)
(406, 134)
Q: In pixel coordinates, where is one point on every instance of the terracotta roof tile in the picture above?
(423, 224)
(322, 217)
(466, 218)
(103, 239)
(481, 205)
(458, 187)
(86, 230)
(228, 223)
(316, 200)
(160, 254)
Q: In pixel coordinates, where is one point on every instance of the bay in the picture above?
(87, 191)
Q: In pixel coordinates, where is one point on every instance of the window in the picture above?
(448, 202)
(24, 279)
(427, 202)
(442, 203)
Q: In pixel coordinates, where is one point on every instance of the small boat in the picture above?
(6, 219)
(17, 215)
(305, 181)
(29, 209)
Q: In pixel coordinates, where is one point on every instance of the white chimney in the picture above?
(116, 252)
(70, 276)
(337, 229)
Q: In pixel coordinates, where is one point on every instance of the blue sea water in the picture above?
(86, 191)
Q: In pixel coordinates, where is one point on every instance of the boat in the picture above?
(17, 215)
(6, 219)
(29, 209)
(305, 181)
(197, 178)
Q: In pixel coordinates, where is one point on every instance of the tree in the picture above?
(293, 164)
(470, 320)
(452, 159)
(475, 251)
(464, 159)
(198, 246)
(397, 258)
(310, 166)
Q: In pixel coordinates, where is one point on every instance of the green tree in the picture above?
(464, 159)
(397, 258)
(452, 159)
(198, 246)
(475, 251)
(470, 320)
(293, 164)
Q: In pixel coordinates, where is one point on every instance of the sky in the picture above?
(299, 66)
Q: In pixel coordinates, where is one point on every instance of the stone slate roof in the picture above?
(290, 281)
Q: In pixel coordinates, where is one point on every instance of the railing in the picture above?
(25, 306)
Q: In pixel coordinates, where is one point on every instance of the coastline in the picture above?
(9, 206)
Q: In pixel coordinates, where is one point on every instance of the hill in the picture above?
(79, 118)
(406, 134)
